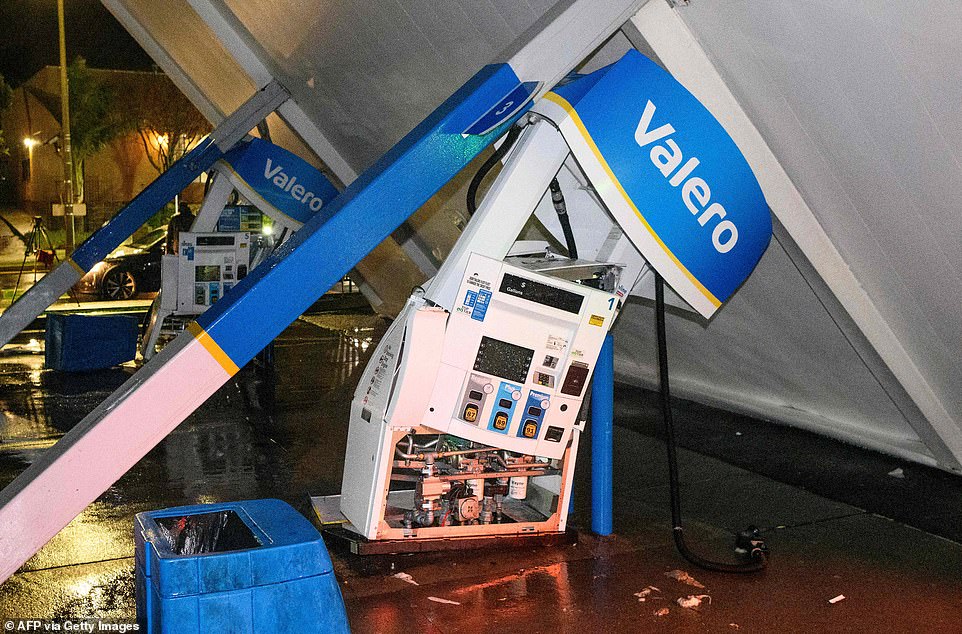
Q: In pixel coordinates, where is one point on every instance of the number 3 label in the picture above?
(507, 106)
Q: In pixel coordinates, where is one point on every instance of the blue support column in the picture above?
(602, 439)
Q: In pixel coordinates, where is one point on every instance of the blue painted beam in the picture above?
(45, 292)
(259, 307)
(602, 440)
(139, 210)
(148, 202)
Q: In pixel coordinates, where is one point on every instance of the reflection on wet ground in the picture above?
(283, 433)
(265, 434)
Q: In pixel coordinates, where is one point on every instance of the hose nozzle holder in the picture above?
(749, 545)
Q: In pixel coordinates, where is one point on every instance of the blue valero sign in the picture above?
(276, 181)
(669, 174)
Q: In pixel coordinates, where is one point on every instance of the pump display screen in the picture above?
(207, 273)
(215, 241)
(541, 293)
(503, 359)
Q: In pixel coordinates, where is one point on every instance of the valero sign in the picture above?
(276, 181)
(669, 173)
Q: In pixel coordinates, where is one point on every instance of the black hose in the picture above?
(499, 153)
(208, 181)
(558, 200)
(748, 542)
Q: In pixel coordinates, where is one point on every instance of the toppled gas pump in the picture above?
(466, 421)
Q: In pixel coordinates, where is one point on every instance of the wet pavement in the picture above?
(283, 433)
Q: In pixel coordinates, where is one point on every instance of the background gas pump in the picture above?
(228, 240)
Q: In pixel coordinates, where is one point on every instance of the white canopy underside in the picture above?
(849, 112)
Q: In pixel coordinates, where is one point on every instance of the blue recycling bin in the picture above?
(76, 343)
(242, 567)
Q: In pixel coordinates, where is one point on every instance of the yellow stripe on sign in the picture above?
(560, 101)
(76, 267)
(211, 346)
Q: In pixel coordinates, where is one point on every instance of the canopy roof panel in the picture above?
(858, 103)
(368, 72)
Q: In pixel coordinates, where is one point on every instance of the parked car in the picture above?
(130, 269)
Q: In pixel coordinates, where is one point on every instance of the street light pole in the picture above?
(65, 131)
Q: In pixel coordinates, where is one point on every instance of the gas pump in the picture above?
(208, 265)
(226, 240)
(478, 407)
(465, 424)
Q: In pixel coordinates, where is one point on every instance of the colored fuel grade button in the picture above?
(530, 429)
(470, 413)
(500, 421)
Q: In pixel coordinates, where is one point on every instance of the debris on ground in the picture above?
(403, 576)
(440, 600)
(835, 600)
(897, 473)
(662, 612)
(684, 577)
(735, 626)
(692, 601)
(643, 594)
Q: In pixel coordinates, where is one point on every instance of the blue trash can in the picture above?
(76, 343)
(255, 567)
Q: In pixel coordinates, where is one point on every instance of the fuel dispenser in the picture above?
(493, 390)
(466, 422)
(228, 240)
(208, 266)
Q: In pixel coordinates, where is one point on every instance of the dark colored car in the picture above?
(129, 269)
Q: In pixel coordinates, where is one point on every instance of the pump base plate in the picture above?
(337, 531)
(359, 545)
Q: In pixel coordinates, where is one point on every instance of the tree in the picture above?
(94, 119)
(6, 96)
(168, 124)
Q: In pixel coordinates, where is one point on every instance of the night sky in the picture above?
(28, 38)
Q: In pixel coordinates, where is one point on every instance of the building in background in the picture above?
(153, 124)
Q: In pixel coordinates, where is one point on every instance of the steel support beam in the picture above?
(159, 54)
(238, 41)
(126, 221)
(564, 37)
